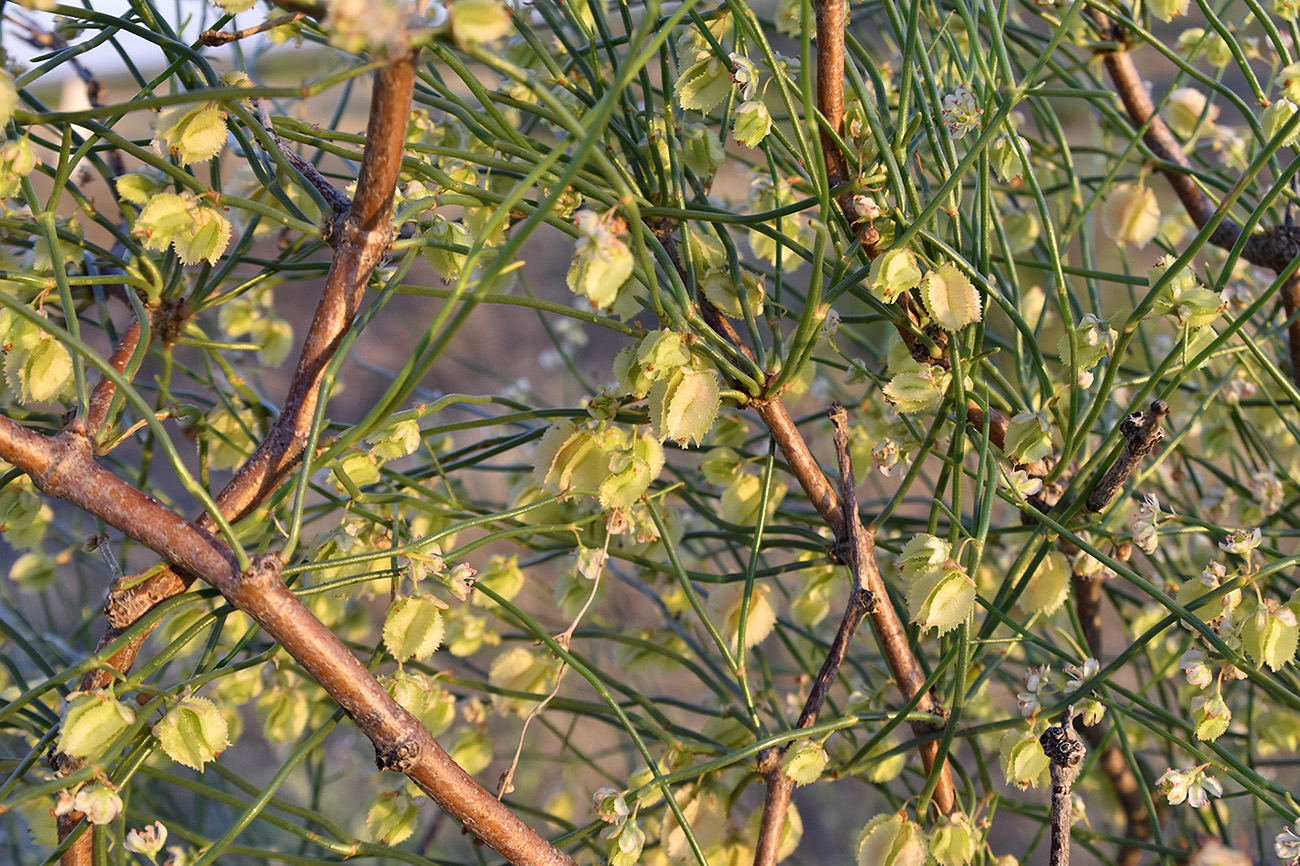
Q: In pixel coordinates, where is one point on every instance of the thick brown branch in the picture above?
(364, 235)
(63, 466)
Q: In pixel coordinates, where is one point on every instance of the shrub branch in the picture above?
(63, 466)
(1273, 248)
(1063, 749)
(861, 602)
(1142, 432)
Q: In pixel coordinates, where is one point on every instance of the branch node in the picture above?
(1061, 744)
(400, 756)
(1066, 752)
(262, 571)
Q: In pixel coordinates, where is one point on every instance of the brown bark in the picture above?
(776, 802)
(102, 397)
(832, 19)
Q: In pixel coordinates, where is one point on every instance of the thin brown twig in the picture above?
(907, 672)
(832, 20)
(861, 602)
(225, 37)
(1143, 433)
(339, 202)
(1063, 749)
(1112, 761)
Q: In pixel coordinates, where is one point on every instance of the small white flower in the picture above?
(1191, 785)
(830, 325)
(1241, 541)
(961, 112)
(461, 579)
(1266, 489)
(100, 803)
(1145, 536)
(1193, 665)
(1096, 331)
(865, 207)
(1149, 507)
(745, 76)
(550, 360)
(148, 840)
(610, 805)
(1079, 673)
(1036, 683)
(1287, 844)
(1036, 678)
(1237, 390)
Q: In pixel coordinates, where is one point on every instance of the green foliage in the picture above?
(546, 497)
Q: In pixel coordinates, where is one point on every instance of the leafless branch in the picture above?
(832, 19)
(339, 203)
(1064, 750)
(1144, 433)
(225, 37)
(861, 602)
